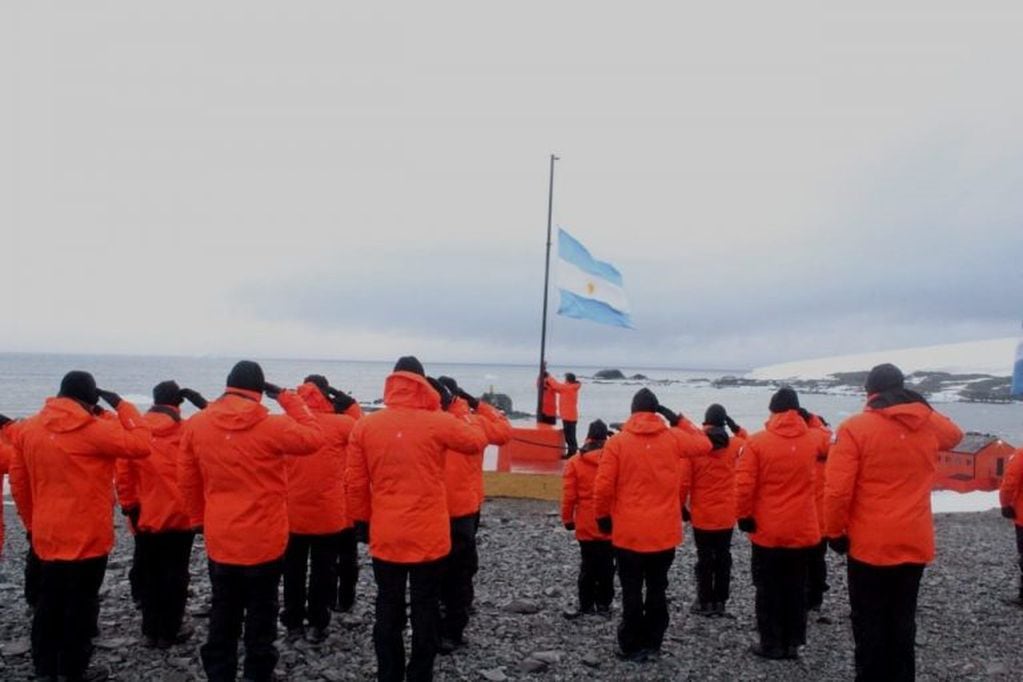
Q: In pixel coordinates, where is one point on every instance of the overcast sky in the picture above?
(349, 180)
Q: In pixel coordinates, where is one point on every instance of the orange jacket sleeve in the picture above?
(128, 437)
(126, 478)
(607, 480)
(1008, 492)
(569, 492)
(299, 432)
(462, 435)
(357, 477)
(21, 491)
(495, 424)
(840, 475)
(694, 441)
(746, 473)
(190, 482)
(947, 432)
(354, 411)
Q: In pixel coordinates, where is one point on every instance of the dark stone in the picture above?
(609, 374)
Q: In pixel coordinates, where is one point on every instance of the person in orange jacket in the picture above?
(61, 479)
(596, 556)
(395, 479)
(6, 453)
(712, 511)
(568, 406)
(233, 480)
(642, 480)
(775, 503)
(817, 569)
(148, 489)
(548, 399)
(1010, 494)
(317, 516)
(463, 502)
(877, 508)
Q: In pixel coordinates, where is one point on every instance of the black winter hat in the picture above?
(784, 400)
(80, 386)
(715, 415)
(167, 393)
(644, 401)
(247, 375)
(598, 430)
(884, 378)
(449, 383)
(317, 380)
(410, 363)
(570, 378)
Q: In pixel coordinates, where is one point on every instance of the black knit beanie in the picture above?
(317, 380)
(644, 401)
(597, 431)
(570, 378)
(410, 363)
(715, 415)
(784, 400)
(167, 393)
(246, 375)
(884, 378)
(80, 386)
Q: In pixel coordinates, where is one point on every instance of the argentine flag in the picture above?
(590, 289)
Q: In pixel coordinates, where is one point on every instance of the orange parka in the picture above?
(549, 398)
(712, 492)
(642, 480)
(463, 475)
(880, 473)
(233, 474)
(152, 483)
(820, 473)
(395, 473)
(578, 502)
(6, 454)
(1010, 493)
(62, 476)
(774, 482)
(568, 398)
(316, 483)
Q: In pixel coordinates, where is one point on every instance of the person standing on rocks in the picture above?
(395, 479)
(578, 513)
(642, 479)
(61, 480)
(316, 517)
(148, 489)
(775, 503)
(712, 510)
(463, 503)
(233, 479)
(1011, 497)
(568, 406)
(548, 400)
(817, 568)
(877, 508)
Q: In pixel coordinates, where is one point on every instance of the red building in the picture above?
(976, 463)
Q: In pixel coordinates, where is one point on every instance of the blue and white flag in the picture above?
(1017, 372)
(590, 289)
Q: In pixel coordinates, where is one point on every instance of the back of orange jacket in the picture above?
(233, 473)
(549, 398)
(568, 398)
(712, 492)
(395, 473)
(463, 475)
(880, 473)
(820, 472)
(1010, 493)
(578, 494)
(152, 483)
(642, 481)
(62, 476)
(774, 482)
(316, 485)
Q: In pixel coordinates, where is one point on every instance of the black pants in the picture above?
(138, 568)
(817, 575)
(315, 555)
(33, 575)
(596, 574)
(1019, 551)
(713, 565)
(423, 580)
(66, 616)
(162, 576)
(570, 441)
(644, 619)
(459, 568)
(242, 594)
(347, 569)
(779, 575)
(883, 601)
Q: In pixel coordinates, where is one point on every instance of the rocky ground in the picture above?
(529, 564)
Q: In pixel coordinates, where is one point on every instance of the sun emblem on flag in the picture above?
(590, 288)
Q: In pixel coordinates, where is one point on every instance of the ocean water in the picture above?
(26, 380)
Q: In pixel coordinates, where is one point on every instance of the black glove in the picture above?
(686, 516)
(110, 397)
(732, 426)
(718, 437)
(474, 403)
(570, 525)
(362, 532)
(604, 524)
(839, 545)
(672, 418)
(194, 397)
(273, 391)
(445, 394)
(4, 420)
(342, 401)
(133, 512)
(1009, 512)
(748, 525)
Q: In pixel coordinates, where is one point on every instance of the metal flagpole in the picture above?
(546, 286)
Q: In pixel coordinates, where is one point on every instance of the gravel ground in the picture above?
(965, 630)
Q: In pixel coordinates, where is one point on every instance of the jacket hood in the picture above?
(407, 389)
(788, 424)
(590, 457)
(237, 410)
(911, 415)
(61, 415)
(314, 398)
(645, 423)
(162, 423)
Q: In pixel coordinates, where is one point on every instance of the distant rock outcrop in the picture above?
(609, 375)
(503, 402)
